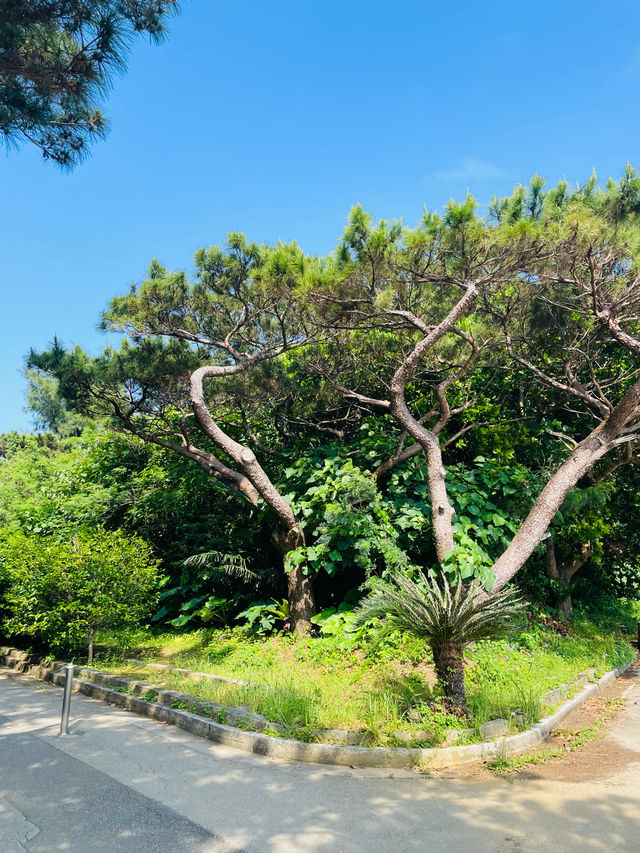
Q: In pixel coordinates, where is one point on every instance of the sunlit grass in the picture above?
(382, 688)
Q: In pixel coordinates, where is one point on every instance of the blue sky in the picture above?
(274, 118)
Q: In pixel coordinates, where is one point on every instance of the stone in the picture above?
(257, 721)
(343, 736)
(554, 697)
(414, 715)
(453, 735)
(412, 737)
(494, 729)
(581, 679)
(518, 717)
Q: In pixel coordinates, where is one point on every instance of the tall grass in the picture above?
(323, 683)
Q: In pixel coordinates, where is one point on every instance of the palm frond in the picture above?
(438, 612)
(232, 565)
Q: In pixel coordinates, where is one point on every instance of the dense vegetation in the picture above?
(387, 437)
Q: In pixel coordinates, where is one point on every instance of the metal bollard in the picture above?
(66, 700)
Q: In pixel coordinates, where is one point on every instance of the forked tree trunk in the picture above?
(563, 574)
(448, 660)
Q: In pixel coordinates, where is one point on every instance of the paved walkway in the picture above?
(120, 783)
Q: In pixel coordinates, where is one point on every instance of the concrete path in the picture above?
(123, 783)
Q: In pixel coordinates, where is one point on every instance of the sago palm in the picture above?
(447, 617)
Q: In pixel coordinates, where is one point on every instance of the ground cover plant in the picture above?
(380, 687)
(571, 741)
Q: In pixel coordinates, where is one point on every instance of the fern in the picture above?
(232, 565)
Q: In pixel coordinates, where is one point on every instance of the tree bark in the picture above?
(564, 574)
(90, 635)
(300, 595)
(290, 535)
(550, 499)
(448, 660)
(302, 604)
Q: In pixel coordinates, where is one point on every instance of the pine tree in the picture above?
(57, 60)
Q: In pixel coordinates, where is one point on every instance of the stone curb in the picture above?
(316, 753)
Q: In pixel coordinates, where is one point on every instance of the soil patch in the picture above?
(599, 758)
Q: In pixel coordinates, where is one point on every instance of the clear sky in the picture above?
(274, 118)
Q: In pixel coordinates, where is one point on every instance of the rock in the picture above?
(581, 679)
(452, 735)
(414, 715)
(494, 729)
(242, 714)
(519, 718)
(554, 697)
(343, 736)
(411, 737)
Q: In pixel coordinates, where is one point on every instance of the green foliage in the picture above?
(340, 621)
(308, 328)
(57, 61)
(348, 520)
(384, 684)
(435, 611)
(60, 591)
(262, 617)
(48, 409)
(210, 566)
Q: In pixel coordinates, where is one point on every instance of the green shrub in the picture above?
(59, 592)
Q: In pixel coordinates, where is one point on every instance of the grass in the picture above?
(381, 687)
(571, 742)
(515, 673)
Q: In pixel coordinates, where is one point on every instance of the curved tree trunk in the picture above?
(449, 663)
(290, 535)
(604, 438)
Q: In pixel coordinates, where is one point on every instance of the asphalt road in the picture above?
(121, 783)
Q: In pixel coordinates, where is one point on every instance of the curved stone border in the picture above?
(316, 753)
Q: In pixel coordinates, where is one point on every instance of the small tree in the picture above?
(61, 592)
(447, 617)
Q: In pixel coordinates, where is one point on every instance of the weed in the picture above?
(571, 742)
(184, 705)
(502, 763)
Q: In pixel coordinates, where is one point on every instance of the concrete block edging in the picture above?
(315, 753)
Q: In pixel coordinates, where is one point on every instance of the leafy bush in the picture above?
(59, 592)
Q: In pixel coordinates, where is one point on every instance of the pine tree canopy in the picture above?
(57, 60)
